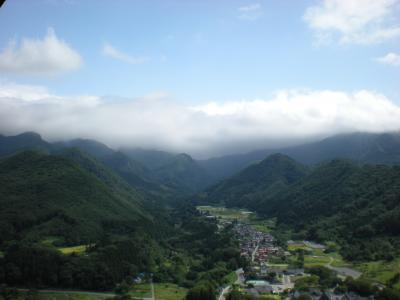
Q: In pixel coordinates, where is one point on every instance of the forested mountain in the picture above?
(46, 195)
(71, 199)
(372, 148)
(181, 172)
(270, 176)
(164, 174)
(152, 159)
(357, 205)
(24, 141)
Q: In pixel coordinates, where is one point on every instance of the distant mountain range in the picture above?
(162, 173)
(382, 148)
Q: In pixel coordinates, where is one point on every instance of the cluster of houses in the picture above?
(264, 277)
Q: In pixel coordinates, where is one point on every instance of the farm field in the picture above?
(141, 290)
(74, 249)
(169, 291)
(379, 271)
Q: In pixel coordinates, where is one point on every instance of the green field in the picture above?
(380, 271)
(74, 249)
(230, 278)
(225, 213)
(141, 290)
(314, 261)
(57, 296)
(169, 291)
(60, 295)
(297, 246)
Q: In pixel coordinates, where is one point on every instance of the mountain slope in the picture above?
(21, 142)
(152, 159)
(356, 205)
(183, 174)
(270, 176)
(373, 148)
(47, 195)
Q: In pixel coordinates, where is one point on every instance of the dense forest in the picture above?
(51, 201)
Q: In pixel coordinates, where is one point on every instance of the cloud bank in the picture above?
(47, 56)
(354, 21)
(156, 121)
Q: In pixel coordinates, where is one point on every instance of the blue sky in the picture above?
(201, 54)
(196, 50)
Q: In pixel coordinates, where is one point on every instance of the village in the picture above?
(273, 270)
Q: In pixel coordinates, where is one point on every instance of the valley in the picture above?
(274, 268)
(80, 220)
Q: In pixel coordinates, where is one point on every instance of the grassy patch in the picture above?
(66, 296)
(225, 213)
(141, 290)
(313, 261)
(380, 271)
(297, 246)
(70, 297)
(168, 291)
(75, 249)
(1, 254)
(49, 241)
(230, 278)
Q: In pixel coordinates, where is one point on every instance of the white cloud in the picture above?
(157, 121)
(47, 56)
(390, 59)
(111, 51)
(250, 12)
(354, 21)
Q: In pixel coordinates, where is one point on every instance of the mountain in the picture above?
(70, 196)
(182, 173)
(375, 148)
(273, 174)
(21, 142)
(355, 205)
(92, 147)
(167, 176)
(152, 159)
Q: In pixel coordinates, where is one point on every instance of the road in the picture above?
(239, 280)
(254, 252)
(224, 292)
(343, 270)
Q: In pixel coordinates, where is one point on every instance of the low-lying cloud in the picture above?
(156, 121)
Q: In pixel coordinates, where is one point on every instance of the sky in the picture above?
(204, 77)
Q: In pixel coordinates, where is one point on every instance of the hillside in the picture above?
(159, 173)
(382, 148)
(270, 176)
(183, 174)
(24, 141)
(152, 159)
(47, 195)
(356, 205)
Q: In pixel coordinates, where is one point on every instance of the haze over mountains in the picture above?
(180, 171)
